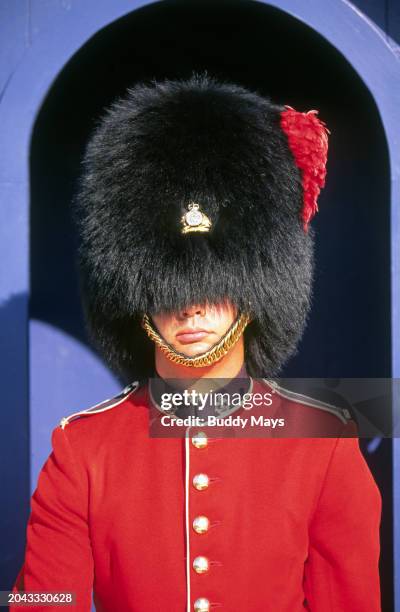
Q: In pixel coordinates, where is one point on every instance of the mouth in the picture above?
(189, 335)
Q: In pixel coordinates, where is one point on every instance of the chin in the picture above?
(192, 350)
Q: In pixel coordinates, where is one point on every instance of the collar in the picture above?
(220, 402)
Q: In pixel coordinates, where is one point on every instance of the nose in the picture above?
(191, 311)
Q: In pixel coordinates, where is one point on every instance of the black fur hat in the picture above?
(158, 148)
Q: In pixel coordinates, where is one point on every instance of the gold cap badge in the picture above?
(195, 220)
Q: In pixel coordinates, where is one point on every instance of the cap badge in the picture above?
(195, 220)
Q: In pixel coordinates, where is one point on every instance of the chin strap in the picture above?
(215, 353)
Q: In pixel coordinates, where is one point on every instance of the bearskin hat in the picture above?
(251, 165)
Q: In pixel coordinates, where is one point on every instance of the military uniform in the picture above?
(204, 523)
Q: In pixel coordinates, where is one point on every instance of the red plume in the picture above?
(308, 141)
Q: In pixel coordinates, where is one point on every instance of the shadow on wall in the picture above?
(14, 439)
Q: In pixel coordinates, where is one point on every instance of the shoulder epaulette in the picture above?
(342, 413)
(102, 406)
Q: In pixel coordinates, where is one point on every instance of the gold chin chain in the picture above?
(209, 357)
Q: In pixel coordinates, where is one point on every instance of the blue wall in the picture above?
(384, 13)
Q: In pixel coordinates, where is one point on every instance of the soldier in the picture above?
(196, 260)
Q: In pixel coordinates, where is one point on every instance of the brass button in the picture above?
(201, 481)
(201, 524)
(200, 440)
(200, 565)
(202, 605)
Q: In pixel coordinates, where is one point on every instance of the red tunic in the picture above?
(290, 524)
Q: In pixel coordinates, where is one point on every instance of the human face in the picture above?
(195, 329)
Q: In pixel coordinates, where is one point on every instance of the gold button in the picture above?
(200, 565)
(201, 524)
(200, 440)
(201, 605)
(201, 481)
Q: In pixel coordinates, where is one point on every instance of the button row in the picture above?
(201, 523)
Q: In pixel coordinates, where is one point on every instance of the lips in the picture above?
(189, 335)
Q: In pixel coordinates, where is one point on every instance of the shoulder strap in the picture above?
(104, 405)
(342, 413)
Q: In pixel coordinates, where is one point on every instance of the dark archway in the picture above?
(263, 48)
